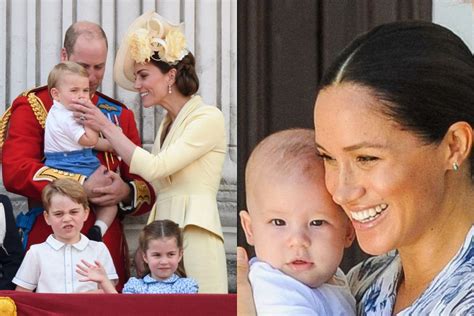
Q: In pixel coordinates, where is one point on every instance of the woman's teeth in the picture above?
(369, 214)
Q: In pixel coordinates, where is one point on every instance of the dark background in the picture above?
(284, 46)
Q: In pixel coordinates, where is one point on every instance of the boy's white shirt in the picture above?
(276, 293)
(62, 132)
(50, 267)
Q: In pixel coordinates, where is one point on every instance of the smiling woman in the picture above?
(376, 170)
(393, 121)
(186, 161)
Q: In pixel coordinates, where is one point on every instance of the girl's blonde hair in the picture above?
(161, 229)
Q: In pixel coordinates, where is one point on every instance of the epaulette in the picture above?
(4, 120)
(37, 105)
(25, 93)
(32, 90)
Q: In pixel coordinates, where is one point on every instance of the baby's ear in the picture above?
(54, 93)
(246, 223)
(350, 235)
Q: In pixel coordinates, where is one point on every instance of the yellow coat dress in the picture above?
(185, 168)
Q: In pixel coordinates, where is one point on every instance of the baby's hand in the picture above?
(95, 273)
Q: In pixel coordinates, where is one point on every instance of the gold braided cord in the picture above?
(26, 92)
(38, 108)
(3, 124)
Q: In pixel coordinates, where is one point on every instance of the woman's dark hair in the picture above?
(161, 229)
(422, 73)
(187, 80)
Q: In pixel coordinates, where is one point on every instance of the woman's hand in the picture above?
(245, 303)
(88, 114)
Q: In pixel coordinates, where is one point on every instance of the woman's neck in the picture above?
(424, 259)
(173, 103)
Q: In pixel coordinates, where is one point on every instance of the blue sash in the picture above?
(25, 221)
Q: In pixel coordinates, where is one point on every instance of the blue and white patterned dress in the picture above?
(374, 284)
(173, 285)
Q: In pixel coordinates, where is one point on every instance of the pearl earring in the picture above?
(169, 89)
(455, 166)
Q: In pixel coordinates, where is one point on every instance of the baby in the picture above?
(67, 144)
(298, 232)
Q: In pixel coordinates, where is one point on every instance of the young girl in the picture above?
(161, 243)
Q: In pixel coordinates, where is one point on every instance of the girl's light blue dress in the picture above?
(173, 285)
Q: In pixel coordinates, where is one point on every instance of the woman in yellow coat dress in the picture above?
(186, 161)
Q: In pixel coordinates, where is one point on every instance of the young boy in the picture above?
(49, 267)
(68, 144)
(298, 232)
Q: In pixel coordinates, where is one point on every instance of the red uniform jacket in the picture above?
(24, 172)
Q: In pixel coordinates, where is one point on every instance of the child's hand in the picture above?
(99, 291)
(95, 273)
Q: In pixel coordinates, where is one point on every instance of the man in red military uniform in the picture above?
(24, 172)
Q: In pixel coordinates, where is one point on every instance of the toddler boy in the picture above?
(68, 144)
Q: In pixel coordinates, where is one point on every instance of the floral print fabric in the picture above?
(374, 283)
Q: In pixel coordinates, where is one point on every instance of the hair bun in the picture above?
(186, 79)
(187, 63)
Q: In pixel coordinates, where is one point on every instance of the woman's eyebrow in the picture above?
(357, 146)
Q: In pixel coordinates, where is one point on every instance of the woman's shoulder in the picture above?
(206, 109)
(370, 267)
(207, 116)
(365, 273)
(210, 112)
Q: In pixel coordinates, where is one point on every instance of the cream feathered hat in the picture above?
(148, 34)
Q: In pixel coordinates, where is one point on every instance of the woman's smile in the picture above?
(369, 214)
